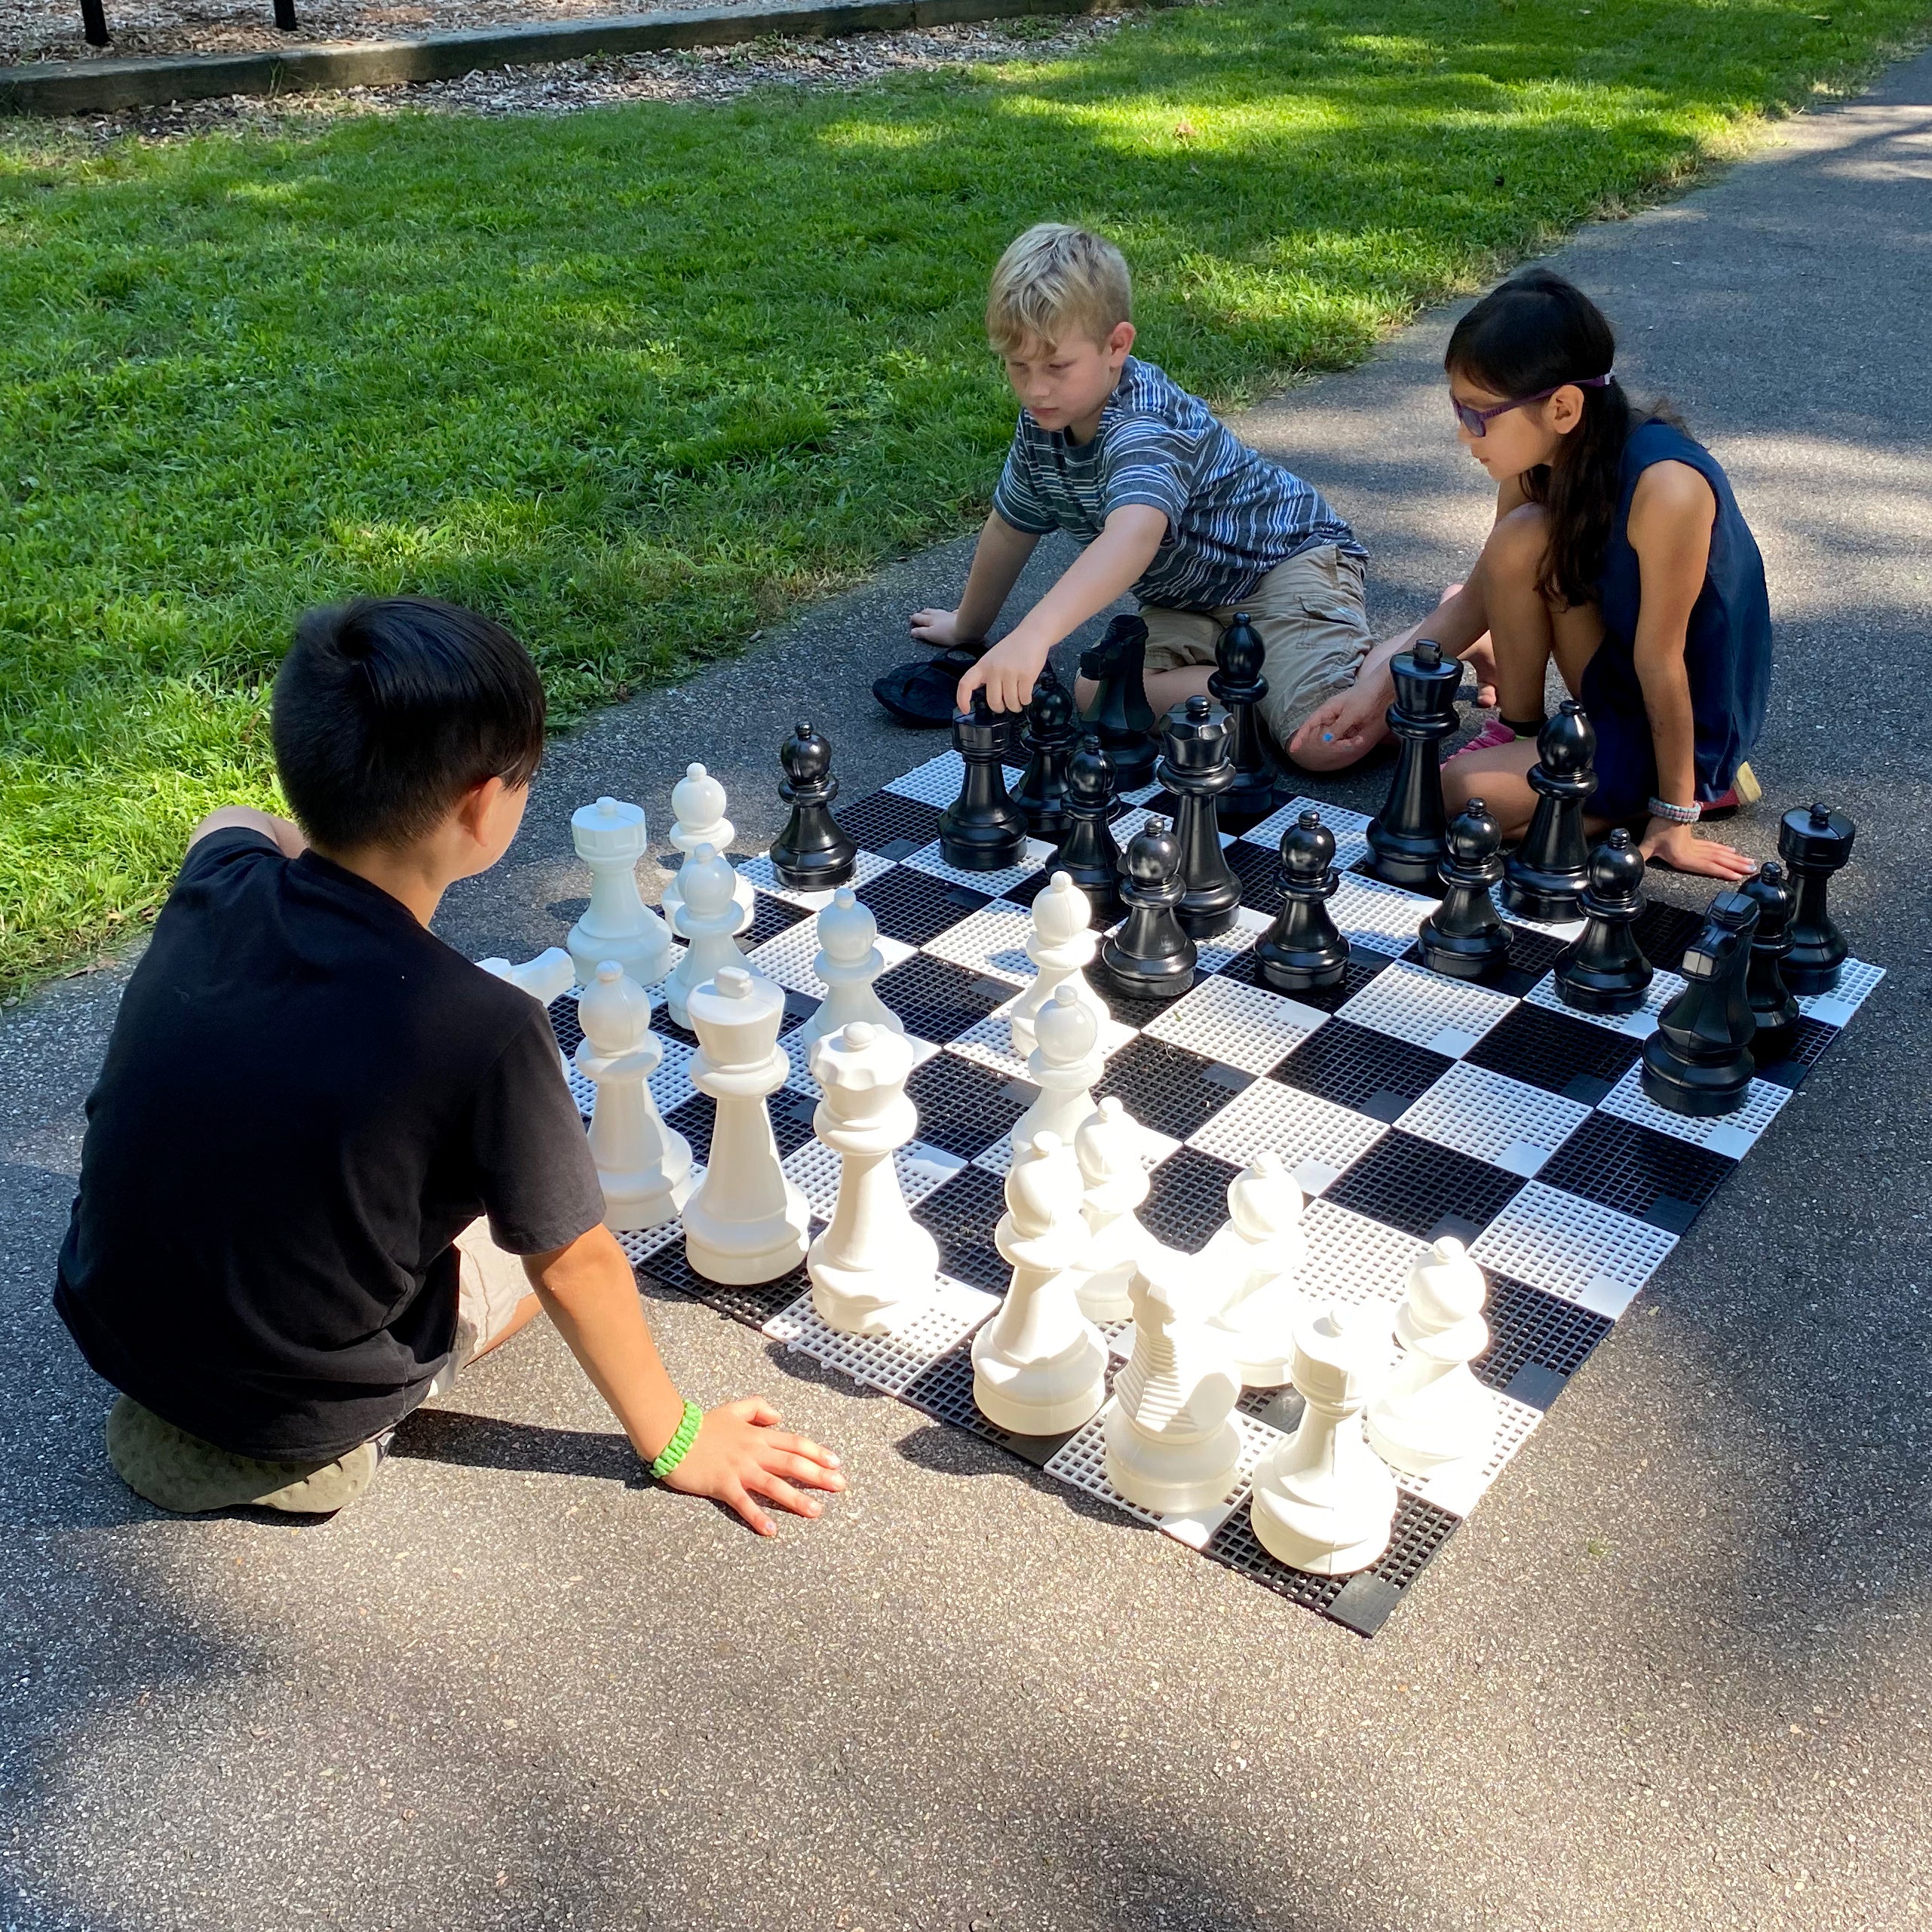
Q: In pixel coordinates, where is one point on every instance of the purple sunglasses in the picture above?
(1476, 421)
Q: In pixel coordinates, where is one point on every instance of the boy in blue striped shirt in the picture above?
(1168, 503)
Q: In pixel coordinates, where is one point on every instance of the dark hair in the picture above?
(1537, 332)
(387, 709)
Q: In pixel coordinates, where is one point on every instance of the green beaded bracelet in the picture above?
(673, 1453)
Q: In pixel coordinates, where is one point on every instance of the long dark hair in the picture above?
(1535, 332)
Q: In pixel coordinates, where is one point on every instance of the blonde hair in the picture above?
(1056, 282)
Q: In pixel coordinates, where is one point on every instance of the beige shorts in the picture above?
(1309, 612)
(490, 1287)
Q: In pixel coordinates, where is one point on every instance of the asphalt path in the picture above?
(1674, 1673)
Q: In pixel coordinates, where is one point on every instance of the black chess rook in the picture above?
(1465, 937)
(1543, 879)
(1047, 735)
(812, 853)
(982, 829)
(1304, 948)
(1814, 844)
(1152, 956)
(1088, 853)
(1197, 771)
(1773, 1006)
(1407, 838)
(1603, 970)
(1699, 1061)
(1238, 683)
(1118, 709)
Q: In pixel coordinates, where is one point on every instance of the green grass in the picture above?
(638, 380)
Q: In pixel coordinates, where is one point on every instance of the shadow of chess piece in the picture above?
(1087, 853)
(1603, 969)
(1774, 1005)
(1151, 957)
(982, 829)
(1238, 683)
(1304, 948)
(813, 853)
(1119, 710)
(1465, 936)
(1408, 837)
(1814, 844)
(1699, 1062)
(1544, 877)
(1197, 770)
(1048, 736)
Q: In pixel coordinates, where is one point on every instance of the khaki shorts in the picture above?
(1309, 612)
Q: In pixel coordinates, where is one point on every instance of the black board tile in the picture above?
(1355, 1066)
(1531, 1329)
(563, 1022)
(1637, 1171)
(1167, 1088)
(769, 918)
(1187, 1199)
(1364, 963)
(1554, 1052)
(1665, 932)
(884, 819)
(965, 1108)
(943, 1390)
(1427, 1191)
(916, 908)
(961, 1215)
(937, 1000)
(1812, 1039)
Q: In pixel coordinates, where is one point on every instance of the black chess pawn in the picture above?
(1465, 936)
(1238, 683)
(1197, 770)
(1774, 1005)
(1544, 877)
(1814, 844)
(1304, 948)
(1088, 853)
(1603, 969)
(1406, 838)
(813, 853)
(1151, 957)
(1048, 735)
(1118, 709)
(982, 829)
(1699, 1060)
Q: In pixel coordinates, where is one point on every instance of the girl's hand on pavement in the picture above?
(1678, 847)
(740, 1453)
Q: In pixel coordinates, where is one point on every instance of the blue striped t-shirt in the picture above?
(1232, 515)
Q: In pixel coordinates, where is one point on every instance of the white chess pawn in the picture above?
(705, 919)
(1324, 1501)
(1434, 1411)
(1061, 943)
(848, 960)
(1172, 1443)
(1040, 1366)
(747, 1222)
(697, 800)
(1064, 1067)
(644, 1166)
(1107, 1146)
(548, 976)
(1250, 1266)
(617, 924)
(875, 1268)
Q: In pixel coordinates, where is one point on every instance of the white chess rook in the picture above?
(848, 960)
(1434, 1411)
(617, 924)
(1064, 1067)
(644, 1166)
(747, 1222)
(875, 1268)
(1061, 944)
(548, 976)
(1324, 1501)
(1040, 1366)
(706, 917)
(698, 802)
(1251, 1264)
(1172, 1445)
(1108, 1147)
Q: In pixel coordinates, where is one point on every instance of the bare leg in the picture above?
(1499, 776)
(527, 1311)
(1522, 632)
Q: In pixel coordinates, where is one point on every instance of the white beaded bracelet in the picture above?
(1687, 814)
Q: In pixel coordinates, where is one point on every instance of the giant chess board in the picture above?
(1409, 1106)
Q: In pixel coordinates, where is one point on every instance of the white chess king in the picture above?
(617, 924)
(1251, 1264)
(1434, 1412)
(698, 804)
(645, 1167)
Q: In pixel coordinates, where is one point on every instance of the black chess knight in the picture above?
(1048, 734)
(1544, 877)
(1151, 957)
(1465, 936)
(1118, 709)
(1197, 770)
(1772, 1004)
(1699, 1061)
(1814, 844)
(1603, 969)
(813, 854)
(1238, 683)
(982, 829)
(1304, 948)
(1406, 838)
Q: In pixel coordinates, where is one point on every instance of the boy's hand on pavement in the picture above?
(740, 1453)
(1006, 673)
(1678, 847)
(940, 629)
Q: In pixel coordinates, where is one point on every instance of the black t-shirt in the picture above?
(306, 1098)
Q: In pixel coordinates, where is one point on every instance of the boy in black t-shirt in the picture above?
(311, 1105)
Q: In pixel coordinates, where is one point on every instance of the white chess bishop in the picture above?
(705, 918)
(698, 804)
(1064, 1067)
(748, 1221)
(645, 1167)
(1323, 1501)
(1108, 1147)
(1173, 1444)
(1434, 1411)
(617, 924)
(1251, 1266)
(1061, 943)
(848, 960)
(1040, 1366)
(875, 1268)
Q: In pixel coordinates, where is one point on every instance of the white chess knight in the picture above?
(645, 1167)
(875, 1268)
(1061, 943)
(1434, 1411)
(848, 960)
(1107, 1146)
(1040, 1366)
(1323, 1501)
(617, 924)
(748, 1221)
(548, 976)
(1064, 1067)
(1250, 1268)
(697, 800)
(706, 917)
(1173, 1444)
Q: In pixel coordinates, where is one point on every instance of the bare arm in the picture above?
(999, 558)
(286, 835)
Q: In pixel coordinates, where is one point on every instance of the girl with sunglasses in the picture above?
(1618, 551)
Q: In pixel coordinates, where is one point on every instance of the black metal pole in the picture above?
(285, 15)
(94, 22)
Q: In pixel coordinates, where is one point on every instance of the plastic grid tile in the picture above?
(1572, 1247)
(1665, 932)
(962, 1215)
(788, 958)
(1425, 1189)
(964, 1108)
(991, 940)
(1856, 980)
(1735, 1134)
(1363, 965)
(754, 1305)
(939, 780)
(1154, 1148)
(1663, 988)
(1187, 1199)
(1557, 1052)
(886, 1362)
(1339, 820)
(1491, 1117)
(813, 1168)
(1167, 1088)
(1241, 1024)
(769, 918)
(1315, 1138)
(1810, 1039)
(640, 1244)
(915, 907)
(868, 866)
(670, 1083)
(1259, 870)
(1530, 1329)
(1354, 1260)
(1355, 1066)
(1619, 1165)
(1382, 917)
(884, 818)
(1034, 857)
(562, 1012)
(1216, 955)
(791, 1114)
(1448, 1017)
(1459, 1487)
(937, 1001)
(1128, 1011)
(943, 1390)
(1561, 930)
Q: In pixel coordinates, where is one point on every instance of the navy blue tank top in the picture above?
(1727, 649)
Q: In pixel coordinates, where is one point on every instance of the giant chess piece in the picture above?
(747, 1222)
(644, 1167)
(1304, 949)
(1150, 957)
(1434, 1411)
(982, 829)
(1773, 1006)
(617, 924)
(1251, 1266)
(1118, 709)
(1064, 1066)
(548, 976)
(1108, 1147)
(1238, 682)
(1603, 970)
(848, 960)
(1814, 844)
(1061, 943)
(707, 916)
(1544, 877)
(697, 800)
(1088, 854)
(1040, 1366)
(1324, 1501)
(1698, 1062)
(1048, 735)
(1407, 838)
(1197, 770)
(875, 1268)
(813, 853)
(1465, 936)
(1172, 1442)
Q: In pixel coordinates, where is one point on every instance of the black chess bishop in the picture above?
(1151, 957)
(1774, 1005)
(1118, 709)
(1238, 683)
(1088, 853)
(1197, 771)
(1699, 1060)
(1304, 948)
(1048, 734)
(1465, 937)
(1814, 844)
(1603, 969)
(1544, 877)
(982, 829)
(813, 854)
(1406, 838)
